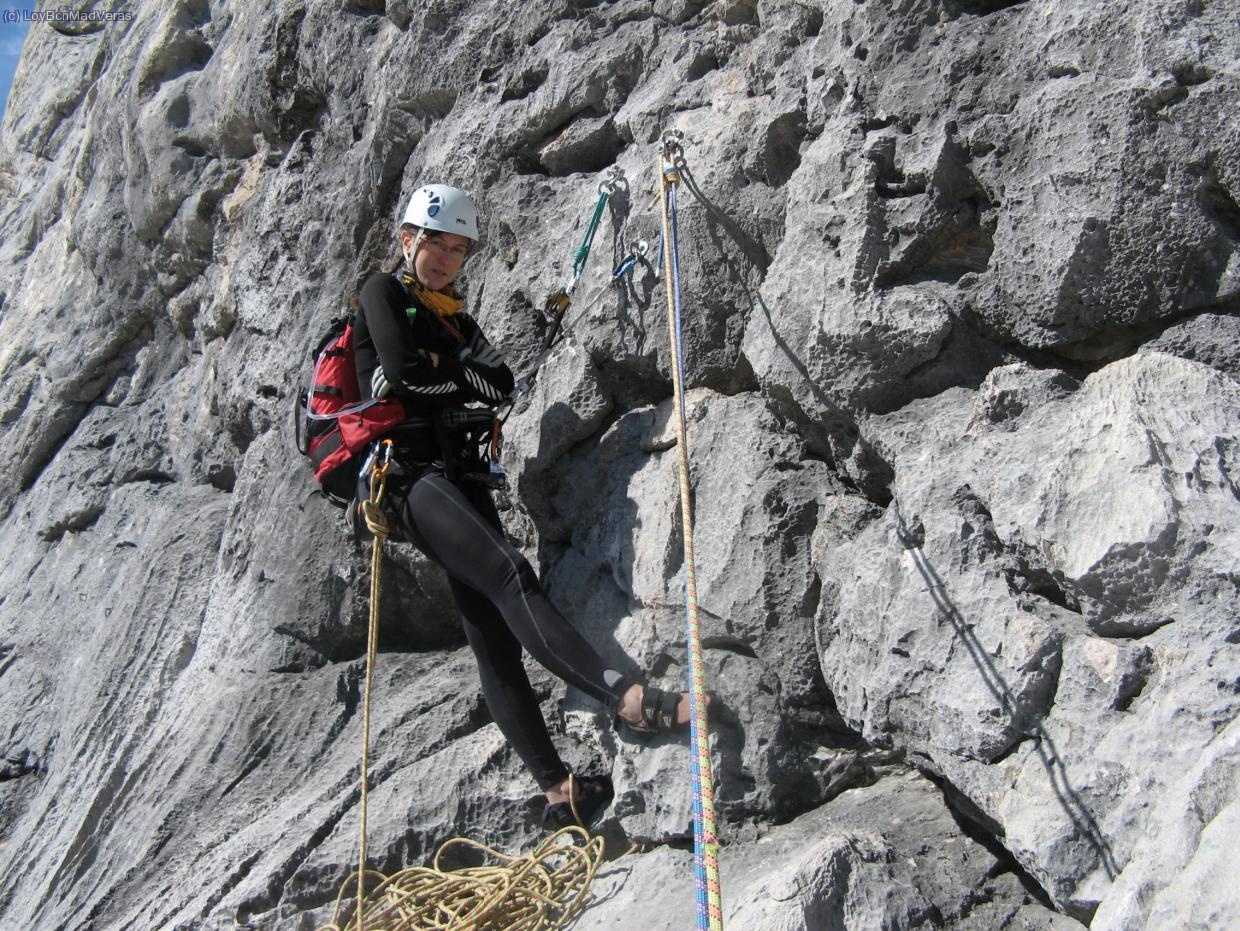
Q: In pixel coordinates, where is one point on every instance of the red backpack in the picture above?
(337, 425)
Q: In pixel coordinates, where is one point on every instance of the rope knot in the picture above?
(376, 520)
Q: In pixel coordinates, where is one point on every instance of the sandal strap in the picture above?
(596, 793)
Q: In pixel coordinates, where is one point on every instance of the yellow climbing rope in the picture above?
(705, 838)
(542, 891)
(376, 522)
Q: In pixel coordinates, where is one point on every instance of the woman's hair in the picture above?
(399, 262)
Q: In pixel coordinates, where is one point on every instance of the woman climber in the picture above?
(413, 342)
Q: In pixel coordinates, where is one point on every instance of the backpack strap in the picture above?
(334, 330)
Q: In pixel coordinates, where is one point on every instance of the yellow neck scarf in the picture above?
(444, 304)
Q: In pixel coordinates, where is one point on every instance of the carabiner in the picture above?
(383, 456)
(672, 143)
(615, 178)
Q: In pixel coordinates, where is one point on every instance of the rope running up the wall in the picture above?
(705, 838)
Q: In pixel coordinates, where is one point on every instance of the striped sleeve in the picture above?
(483, 371)
(429, 391)
(486, 391)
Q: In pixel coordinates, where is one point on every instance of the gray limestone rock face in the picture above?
(757, 591)
(1210, 338)
(1189, 841)
(959, 291)
(1049, 595)
(886, 856)
(956, 209)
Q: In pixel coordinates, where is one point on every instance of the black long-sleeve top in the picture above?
(393, 330)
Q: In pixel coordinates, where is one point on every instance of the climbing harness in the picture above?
(479, 429)
(543, 891)
(705, 839)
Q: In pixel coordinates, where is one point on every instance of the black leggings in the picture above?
(504, 608)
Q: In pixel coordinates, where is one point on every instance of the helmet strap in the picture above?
(411, 253)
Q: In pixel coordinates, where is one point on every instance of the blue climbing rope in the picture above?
(705, 838)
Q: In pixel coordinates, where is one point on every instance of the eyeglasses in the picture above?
(437, 244)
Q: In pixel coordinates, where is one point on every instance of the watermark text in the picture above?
(67, 16)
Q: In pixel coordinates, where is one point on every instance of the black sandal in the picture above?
(596, 793)
(658, 713)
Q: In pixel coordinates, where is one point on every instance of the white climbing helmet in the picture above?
(443, 208)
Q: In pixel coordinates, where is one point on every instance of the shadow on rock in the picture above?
(912, 538)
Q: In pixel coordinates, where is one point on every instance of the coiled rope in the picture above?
(542, 891)
(705, 839)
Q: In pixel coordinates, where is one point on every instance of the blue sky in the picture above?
(11, 36)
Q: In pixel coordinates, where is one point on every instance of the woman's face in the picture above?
(439, 258)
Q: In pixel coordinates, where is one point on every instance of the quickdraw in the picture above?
(558, 302)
